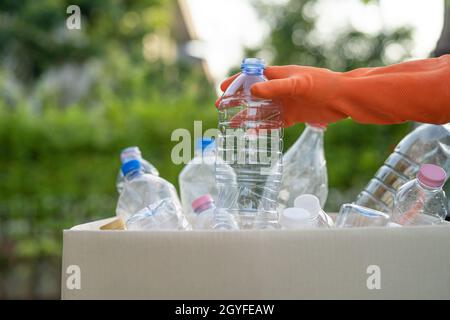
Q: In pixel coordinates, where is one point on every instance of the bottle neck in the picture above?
(204, 207)
(128, 157)
(426, 187)
(249, 71)
(133, 174)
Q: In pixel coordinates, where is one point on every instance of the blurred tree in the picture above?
(34, 36)
(294, 39)
(121, 48)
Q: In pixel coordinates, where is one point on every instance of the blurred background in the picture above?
(70, 100)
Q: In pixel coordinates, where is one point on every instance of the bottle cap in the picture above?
(203, 143)
(309, 202)
(432, 175)
(130, 166)
(201, 201)
(294, 218)
(130, 153)
(253, 65)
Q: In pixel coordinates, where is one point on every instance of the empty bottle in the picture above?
(311, 203)
(131, 153)
(142, 191)
(353, 216)
(164, 214)
(198, 176)
(426, 144)
(250, 141)
(422, 200)
(298, 218)
(208, 217)
(304, 168)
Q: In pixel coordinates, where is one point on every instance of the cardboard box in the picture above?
(359, 263)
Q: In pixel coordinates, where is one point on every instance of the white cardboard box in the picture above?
(359, 263)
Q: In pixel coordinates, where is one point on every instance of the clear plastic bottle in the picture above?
(426, 144)
(298, 218)
(131, 153)
(311, 204)
(250, 141)
(354, 216)
(164, 214)
(141, 191)
(210, 218)
(422, 200)
(198, 176)
(304, 168)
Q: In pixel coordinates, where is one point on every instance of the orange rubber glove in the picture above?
(410, 91)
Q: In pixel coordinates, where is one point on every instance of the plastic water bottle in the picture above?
(353, 216)
(304, 168)
(164, 214)
(144, 191)
(208, 217)
(131, 153)
(198, 176)
(250, 141)
(311, 204)
(426, 144)
(305, 214)
(422, 200)
(297, 218)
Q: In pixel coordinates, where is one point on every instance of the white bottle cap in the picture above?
(308, 202)
(295, 218)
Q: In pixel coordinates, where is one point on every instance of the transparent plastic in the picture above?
(208, 217)
(426, 144)
(298, 218)
(304, 168)
(198, 177)
(352, 215)
(164, 214)
(311, 203)
(131, 153)
(418, 204)
(250, 141)
(142, 191)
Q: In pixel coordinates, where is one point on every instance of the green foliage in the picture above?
(60, 166)
(34, 37)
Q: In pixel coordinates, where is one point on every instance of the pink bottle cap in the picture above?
(432, 175)
(201, 201)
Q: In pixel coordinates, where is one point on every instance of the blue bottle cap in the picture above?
(130, 166)
(253, 65)
(203, 143)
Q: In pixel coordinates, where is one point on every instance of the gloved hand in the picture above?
(410, 91)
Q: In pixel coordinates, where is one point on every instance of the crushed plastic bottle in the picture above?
(164, 214)
(208, 217)
(305, 168)
(354, 216)
(422, 200)
(250, 141)
(426, 144)
(146, 192)
(131, 153)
